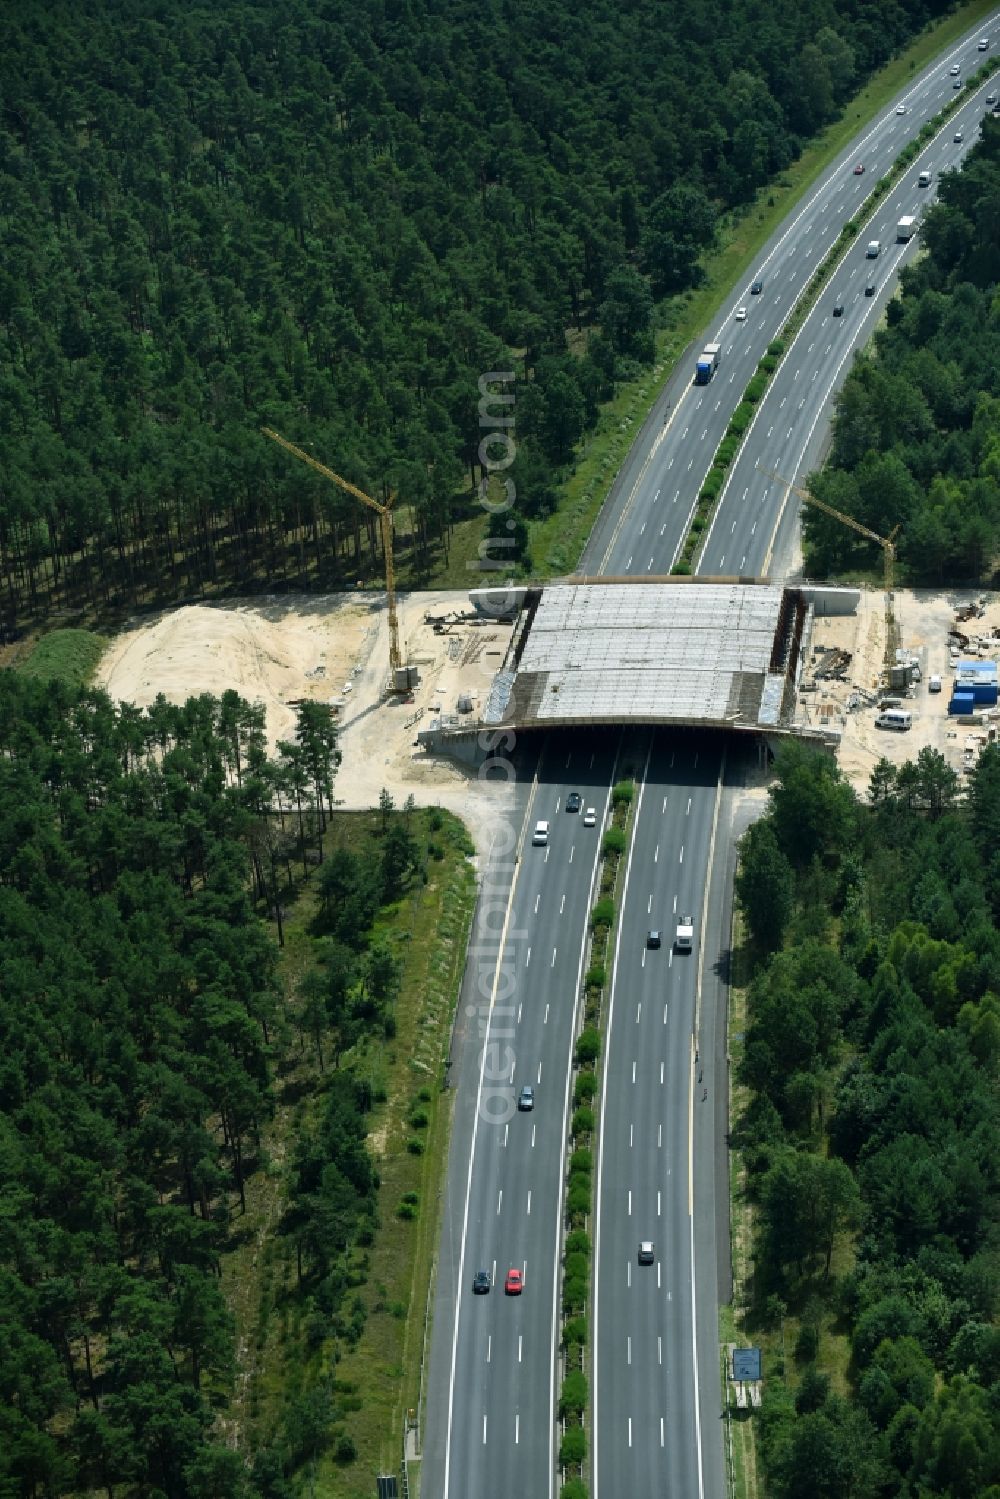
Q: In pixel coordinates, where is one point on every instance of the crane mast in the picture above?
(384, 513)
(887, 543)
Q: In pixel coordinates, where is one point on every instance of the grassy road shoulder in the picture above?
(353, 1378)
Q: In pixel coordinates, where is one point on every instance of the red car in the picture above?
(859, 169)
(514, 1284)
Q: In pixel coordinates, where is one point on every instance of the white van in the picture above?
(874, 247)
(894, 718)
(541, 834)
(934, 683)
(924, 180)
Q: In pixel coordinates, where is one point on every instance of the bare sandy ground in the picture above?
(333, 649)
(924, 618)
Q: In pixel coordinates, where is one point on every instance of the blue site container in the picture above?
(962, 702)
(974, 668)
(985, 694)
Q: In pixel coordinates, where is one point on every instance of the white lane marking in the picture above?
(572, 852)
(655, 498)
(666, 1008)
(520, 1007)
(661, 1431)
(537, 899)
(484, 1431)
(642, 528)
(630, 1431)
(656, 854)
(489, 1347)
(553, 963)
(677, 496)
(631, 1133)
(532, 1137)
(500, 1202)
(517, 1428)
(633, 1072)
(506, 1134)
(545, 1019)
(675, 905)
(519, 1342)
(685, 432)
(649, 906)
(663, 528)
(528, 1214)
(562, 905)
(630, 1202)
(601, 1152)
(753, 528)
(659, 1136)
(704, 434)
(659, 1205)
(681, 859)
(539, 1077)
(659, 1350)
(661, 1074)
(688, 812)
(746, 491)
(638, 1012)
(527, 958)
(628, 1351)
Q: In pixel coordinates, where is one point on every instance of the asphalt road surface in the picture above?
(491, 1384)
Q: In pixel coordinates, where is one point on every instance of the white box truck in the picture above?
(684, 940)
(906, 228)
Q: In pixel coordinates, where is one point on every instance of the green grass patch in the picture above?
(68, 656)
(557, 542)
(282, 1354)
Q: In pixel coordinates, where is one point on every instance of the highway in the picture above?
(500, 1387)
(646, 1391)
(642, 527)
(492, 1379)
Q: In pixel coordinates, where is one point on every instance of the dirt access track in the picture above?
(334, 649)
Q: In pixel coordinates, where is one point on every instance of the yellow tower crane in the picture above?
(888, 545)
(384, 513)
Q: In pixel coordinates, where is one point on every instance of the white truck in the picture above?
(906, 228)
(684, 940)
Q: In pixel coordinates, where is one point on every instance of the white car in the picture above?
(741, 314)
(984, 44)
(954, 70)
(590, 818)
(901, 109)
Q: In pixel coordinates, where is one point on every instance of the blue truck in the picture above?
(707, 364)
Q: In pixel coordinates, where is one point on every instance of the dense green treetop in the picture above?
(336, 217)
(917, 430)
(871, 1059)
